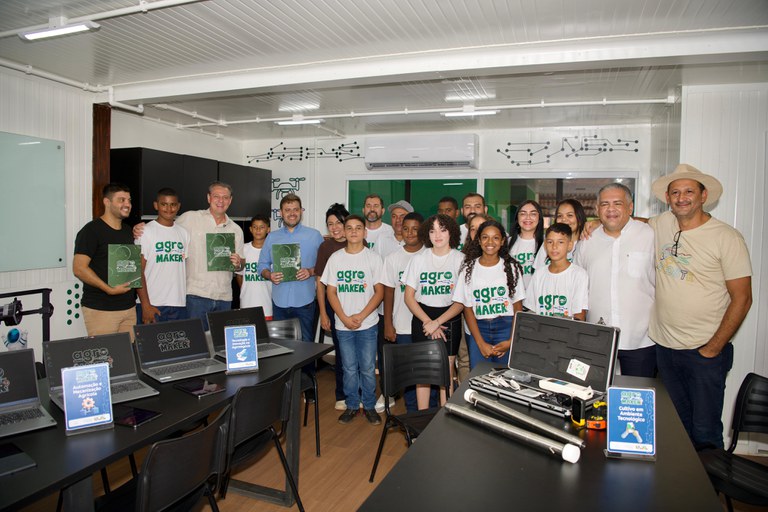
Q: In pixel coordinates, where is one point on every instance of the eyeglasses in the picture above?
(676, 239)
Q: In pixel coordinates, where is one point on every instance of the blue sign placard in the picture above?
(632, 421)
(242, 353)
(87, 397)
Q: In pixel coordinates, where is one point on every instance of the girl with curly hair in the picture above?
(490, 288)
(429, 282)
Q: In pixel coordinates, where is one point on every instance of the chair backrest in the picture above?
(287, 329)
(256, 408)
(176, 469)
(751, 412)
(424, 362)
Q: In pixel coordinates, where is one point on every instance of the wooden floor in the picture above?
(336, 481)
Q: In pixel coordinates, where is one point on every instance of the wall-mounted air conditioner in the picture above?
(451, 150)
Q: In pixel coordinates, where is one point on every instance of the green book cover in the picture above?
(286, 258)
(124, 265)
(218, 248)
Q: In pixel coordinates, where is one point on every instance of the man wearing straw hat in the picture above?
(703, 293)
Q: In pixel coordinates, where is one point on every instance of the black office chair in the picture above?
(409, 365)
(255, 410)
(176, 472)
(736, 477)
(291, 329)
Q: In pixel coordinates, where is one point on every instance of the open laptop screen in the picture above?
(18, 381)
(218, 320)
(113, 349)
(171, 341)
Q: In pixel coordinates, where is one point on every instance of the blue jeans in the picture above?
(358, 351)
(305, 314)
(167, 313)
(493, 331)
(199, 307)
(640, 362)
(696, 385)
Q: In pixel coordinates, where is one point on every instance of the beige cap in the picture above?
(688, 172)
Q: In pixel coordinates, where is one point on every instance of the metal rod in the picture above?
(568, 452)
(478, 400)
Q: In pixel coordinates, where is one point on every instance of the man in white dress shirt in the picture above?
(619, 258)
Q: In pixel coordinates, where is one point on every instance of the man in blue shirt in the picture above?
(293, 299)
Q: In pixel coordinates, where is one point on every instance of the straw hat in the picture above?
(688, 172)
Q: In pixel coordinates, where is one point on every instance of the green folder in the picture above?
(218, 248)
(286, 258)
(124, 265)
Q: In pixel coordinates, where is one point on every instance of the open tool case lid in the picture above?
(548, 346)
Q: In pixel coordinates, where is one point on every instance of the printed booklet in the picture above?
(286, 258)
(124, 265)
(219, 247)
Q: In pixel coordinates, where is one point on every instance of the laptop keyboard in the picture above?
(10, 418)
(126, 387)
(182, 367)
(263, 347)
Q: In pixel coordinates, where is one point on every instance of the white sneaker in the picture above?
(380, 403)
(341, 405)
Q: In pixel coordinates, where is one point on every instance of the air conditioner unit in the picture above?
(450, 150)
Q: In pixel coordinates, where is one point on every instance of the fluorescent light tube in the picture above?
(59, 31)
(466, 113)
(299, 121)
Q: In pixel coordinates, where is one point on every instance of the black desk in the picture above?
(456, 465)
(67, 462)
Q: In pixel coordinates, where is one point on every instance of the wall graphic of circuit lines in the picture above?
(540, 153)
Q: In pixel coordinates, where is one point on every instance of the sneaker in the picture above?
(341, 405)
(372, 416)
(309, 396)
(380, 403)
(348, 416)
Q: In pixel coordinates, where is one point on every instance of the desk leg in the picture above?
(292, 436)
(78, 496)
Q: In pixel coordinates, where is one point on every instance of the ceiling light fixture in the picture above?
(59, 27)
(469, 111)
(298, 119)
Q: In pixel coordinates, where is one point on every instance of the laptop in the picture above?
(171, 351)
(20, 407)
(218, 320)
(113, 349)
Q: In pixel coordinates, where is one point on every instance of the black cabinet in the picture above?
(251, 189)
(146, 171)
(198, 175)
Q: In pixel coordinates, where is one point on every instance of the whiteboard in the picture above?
(32, 209)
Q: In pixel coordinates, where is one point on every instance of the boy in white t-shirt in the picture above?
(352, 278)
(254, 289)
(163, 254)
(397, 316)
(561, 289)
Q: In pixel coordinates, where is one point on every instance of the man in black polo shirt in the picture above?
(106, 309)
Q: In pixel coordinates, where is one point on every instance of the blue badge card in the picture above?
(87, 398)
(242, 353)
(632, 423)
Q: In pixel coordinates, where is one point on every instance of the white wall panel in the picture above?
(131, 131)
(325, 179)
(40, 108)
(724, 134)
